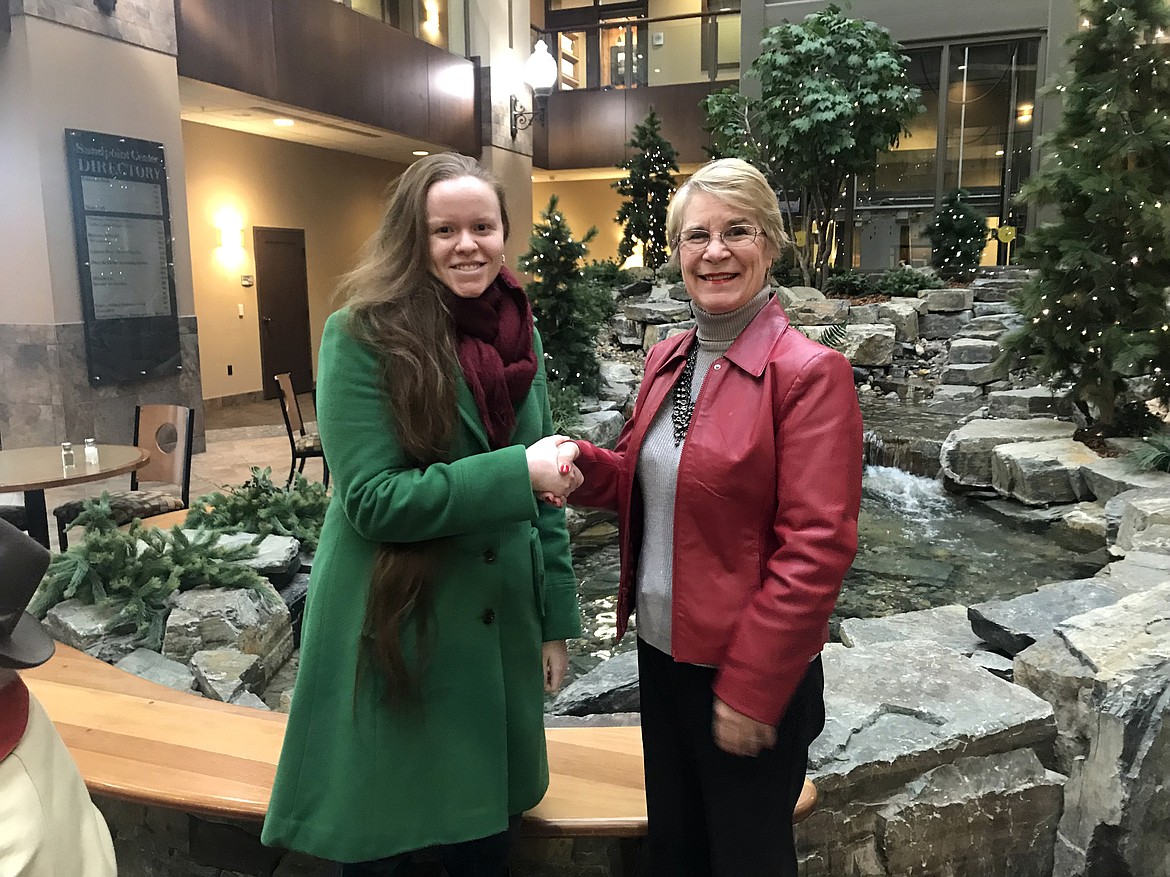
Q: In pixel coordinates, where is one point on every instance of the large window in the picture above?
(981, 96)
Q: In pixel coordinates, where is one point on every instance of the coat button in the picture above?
(489, 615)
(717, 366)
(489, 556)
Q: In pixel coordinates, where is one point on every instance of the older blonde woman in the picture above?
(737, 484)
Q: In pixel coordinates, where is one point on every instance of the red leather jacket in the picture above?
(765, 518)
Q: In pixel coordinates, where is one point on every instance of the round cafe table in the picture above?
(34, 470)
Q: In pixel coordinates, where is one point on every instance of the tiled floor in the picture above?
(238, 438)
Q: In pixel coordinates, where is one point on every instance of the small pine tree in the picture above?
(1097, 311)
(569, 310)
(647, 191)
(957, 235)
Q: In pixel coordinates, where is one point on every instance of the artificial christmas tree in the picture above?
(569, 310)
(957, 235)
(1096, 313)
(646, 191)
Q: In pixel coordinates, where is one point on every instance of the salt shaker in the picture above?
(91, 452)
(67, 459)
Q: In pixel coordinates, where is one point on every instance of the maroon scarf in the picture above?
(493, 338)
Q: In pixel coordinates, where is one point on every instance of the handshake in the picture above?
(552, 469)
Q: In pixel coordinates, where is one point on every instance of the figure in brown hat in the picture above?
(49, 827)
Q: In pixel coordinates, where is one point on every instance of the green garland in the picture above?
(138, 570)
(259, 506)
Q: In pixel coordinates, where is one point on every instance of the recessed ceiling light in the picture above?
(999, 152)
(283, 123)
(420, 152)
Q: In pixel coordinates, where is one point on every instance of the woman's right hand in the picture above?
(552, 469)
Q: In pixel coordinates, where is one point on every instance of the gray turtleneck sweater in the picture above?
(657, 475)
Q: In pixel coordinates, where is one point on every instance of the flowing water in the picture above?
(919, 547)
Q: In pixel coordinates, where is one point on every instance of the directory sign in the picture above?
(122, 226)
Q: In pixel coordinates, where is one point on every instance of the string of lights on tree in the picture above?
(1097, 312)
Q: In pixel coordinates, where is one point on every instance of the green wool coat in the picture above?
(357, 779)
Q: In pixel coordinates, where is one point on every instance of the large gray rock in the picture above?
(252, 622)
(936, 326)
(966, 452)
(1140, 510)
(946, 625)
(224, 674)
(1013, 625)
(902, 314)
(993, 817)
(1041, 473)
(97, 630)
(1107, 669)
(601, 427)
(1081, 528)
(610, 687)
(1106, 477)
(1027, 402)
(863, 314)
(866, 344)
(992, 308)
(977, 374)
(818, 313)
(955, 399)
(1140, 570)
(657, 311)
(152, 666)
(661, 331)
(896, 716)
(618, 382)
(278, 558)
(790, 294)
(972, 351)
(627, 333)
(947, 300)
(905, 712)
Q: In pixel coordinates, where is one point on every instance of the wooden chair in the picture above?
(303, 444)
(167, 465)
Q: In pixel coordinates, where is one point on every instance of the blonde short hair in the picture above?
(737, 183)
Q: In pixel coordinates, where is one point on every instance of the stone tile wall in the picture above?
(146, 23)
(46, 398)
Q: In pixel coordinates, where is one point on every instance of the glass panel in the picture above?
(908, 170)
(572, 59)
(432, 22)
(623, 60)
(372, 8)
(979, 104)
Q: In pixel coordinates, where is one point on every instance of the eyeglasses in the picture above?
(734, 237)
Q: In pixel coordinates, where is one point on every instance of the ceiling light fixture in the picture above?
(283, 123)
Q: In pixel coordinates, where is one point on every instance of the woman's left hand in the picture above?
(738, 734)
(554, 657)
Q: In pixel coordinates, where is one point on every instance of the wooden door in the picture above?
(282, 297)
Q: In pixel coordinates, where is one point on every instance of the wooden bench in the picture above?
(144, 743)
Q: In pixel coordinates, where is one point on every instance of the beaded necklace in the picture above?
(684, 405)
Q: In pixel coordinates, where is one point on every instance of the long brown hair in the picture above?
(397, 307)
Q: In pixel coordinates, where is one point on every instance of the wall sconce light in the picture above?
(231, 238)
(540, 73)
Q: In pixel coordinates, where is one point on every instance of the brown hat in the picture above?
(23, 561)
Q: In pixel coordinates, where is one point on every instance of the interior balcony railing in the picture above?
(633, 52)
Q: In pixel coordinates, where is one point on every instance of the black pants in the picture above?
(712, 814)
(482, 857)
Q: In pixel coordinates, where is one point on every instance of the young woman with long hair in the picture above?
(442, 591)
